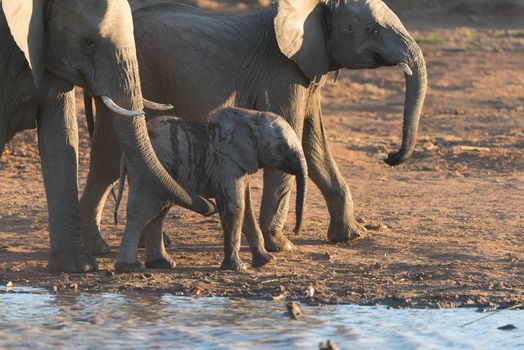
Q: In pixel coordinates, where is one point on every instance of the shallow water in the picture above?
(33, 318)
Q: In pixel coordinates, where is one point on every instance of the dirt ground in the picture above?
(445, 229)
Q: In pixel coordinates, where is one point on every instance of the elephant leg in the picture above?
(103, 173)
(141, 210)
(231, 204)
(165, 238)
(156, 255)
(58, 146)
(274, 208)
(291, 105)
(259, 254)
(325, 174)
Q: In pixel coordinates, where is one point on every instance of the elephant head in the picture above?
(326, 35)
(91, 44)
(256, 140)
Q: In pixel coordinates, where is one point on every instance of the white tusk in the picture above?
(119, 110)
(337, 73)
(405, 68)
(156, 106)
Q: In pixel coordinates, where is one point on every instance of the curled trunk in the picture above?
(415, 93)
(134, 140)
(132, 134)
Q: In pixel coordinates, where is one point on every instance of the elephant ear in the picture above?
(26, 23)
(233, 135)
(301, 36)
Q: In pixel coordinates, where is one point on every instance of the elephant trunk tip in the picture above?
(301, 179)
(398, 158)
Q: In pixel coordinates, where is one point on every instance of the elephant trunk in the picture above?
(416, 84)
(301, 179)
(134, 140)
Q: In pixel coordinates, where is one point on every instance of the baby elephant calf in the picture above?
(213, 160)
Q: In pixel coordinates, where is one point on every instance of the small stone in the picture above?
(376, 227)
(196, 292)
(73, 286)
(9, 285)
(279, 297)
(508, 327)
(109, 273)
(55, 288)
(293, 310)
(310, 292)
(328, 346)
(429, 146)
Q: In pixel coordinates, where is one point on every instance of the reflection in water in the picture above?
(37, 319)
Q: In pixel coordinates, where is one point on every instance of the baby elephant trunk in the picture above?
(295, 164)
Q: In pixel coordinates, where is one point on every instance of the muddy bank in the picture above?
(446, 229)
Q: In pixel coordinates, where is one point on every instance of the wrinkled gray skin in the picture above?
(213, 160)
(275, 59)
(47, 47)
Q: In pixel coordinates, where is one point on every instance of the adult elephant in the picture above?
(47, 47)
(275, 59)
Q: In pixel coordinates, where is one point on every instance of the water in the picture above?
(33, 318)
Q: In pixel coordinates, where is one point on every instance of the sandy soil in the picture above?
(446, 229)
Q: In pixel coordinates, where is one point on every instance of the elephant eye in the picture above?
(372, 30)
(89, 43)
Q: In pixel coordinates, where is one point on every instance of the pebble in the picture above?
(310, 292)
(508, 327)
(293, 310)
(329, 346)
(196, 292)
(279, 297)
(9, 285)
(376, 227)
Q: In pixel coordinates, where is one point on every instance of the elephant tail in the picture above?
(121, 184)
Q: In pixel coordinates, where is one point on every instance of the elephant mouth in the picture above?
(379, 61)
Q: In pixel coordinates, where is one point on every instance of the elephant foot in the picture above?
(72, 260)
(128, 267)
(95, 244)
(233, 264)
(165, 238)
(340, 231)
(163, 263)
(277, 242)
(261, 259)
